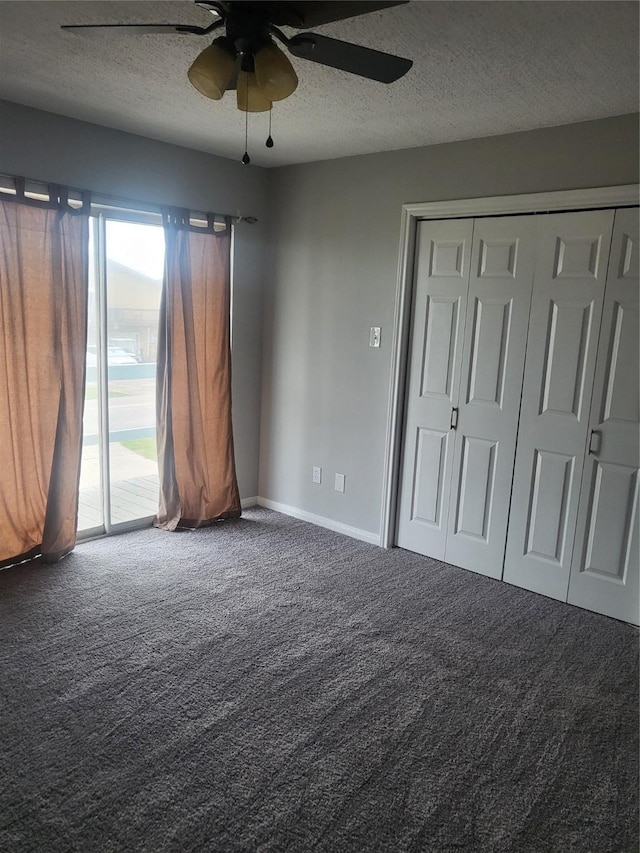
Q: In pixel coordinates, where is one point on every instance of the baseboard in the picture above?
(245, 503)
(321, 521)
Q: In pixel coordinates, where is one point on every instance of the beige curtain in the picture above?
(195, 440)
(43, 324)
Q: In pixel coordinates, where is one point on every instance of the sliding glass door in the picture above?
(119, 476)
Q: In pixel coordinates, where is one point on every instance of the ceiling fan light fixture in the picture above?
(274, 73)
(213, 69)
(251, 98)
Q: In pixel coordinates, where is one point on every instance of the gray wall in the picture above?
(49, 147)
(330, 232)
(334, 238)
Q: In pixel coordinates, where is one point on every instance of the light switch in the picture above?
(375, 334)
(339, 486)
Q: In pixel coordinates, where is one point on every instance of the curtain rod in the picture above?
(106, 201)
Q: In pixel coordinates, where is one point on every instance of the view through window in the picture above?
(119, 474)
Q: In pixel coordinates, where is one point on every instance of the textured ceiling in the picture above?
(480, 68)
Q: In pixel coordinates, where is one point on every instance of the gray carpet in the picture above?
(265, 685)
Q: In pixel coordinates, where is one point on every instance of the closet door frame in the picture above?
(551, 202)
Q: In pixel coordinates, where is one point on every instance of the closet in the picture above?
(520, 445)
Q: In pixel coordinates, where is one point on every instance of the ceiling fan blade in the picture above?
(314, 13)
(372, 64)
(141, 29)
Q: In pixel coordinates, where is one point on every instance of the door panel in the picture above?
(568, 334)
(605, 565)
(476, 487)
(119, 471)
(611, 526)
(491, 326)
(547, 513)
(571, 267)
(431, 455)
(439, 346)
(620, 397)
(441, 283)
(494, 346)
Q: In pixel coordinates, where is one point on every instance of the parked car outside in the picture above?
(115, 355)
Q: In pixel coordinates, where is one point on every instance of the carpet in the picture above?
(266, 685)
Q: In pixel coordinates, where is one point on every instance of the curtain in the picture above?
(43, 325)
(195, 440)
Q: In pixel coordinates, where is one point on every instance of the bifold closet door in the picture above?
(568, 291)
(469, 332)
(443, 250)
(605, 568)
(501, 277)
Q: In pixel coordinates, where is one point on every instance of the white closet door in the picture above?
(442, 282)
(568, 289)
(502, 259)
(605, 567)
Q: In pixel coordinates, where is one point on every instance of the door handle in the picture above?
(454, 418)
(595, 441)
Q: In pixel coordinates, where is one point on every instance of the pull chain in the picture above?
(245, 157)
(269, 142)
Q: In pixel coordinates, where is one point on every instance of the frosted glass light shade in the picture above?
(275, 73)
(251, 98)
(212, 70)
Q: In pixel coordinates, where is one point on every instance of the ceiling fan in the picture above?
(248, 60)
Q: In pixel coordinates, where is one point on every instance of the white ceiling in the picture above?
(480, 68)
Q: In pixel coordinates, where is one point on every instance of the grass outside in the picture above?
(142, 446)
(91, 393)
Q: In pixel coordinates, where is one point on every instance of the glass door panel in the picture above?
(91, 505)
(119, 480)
(135, 260)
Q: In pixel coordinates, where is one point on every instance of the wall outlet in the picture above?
(317, 474)
(375, 336)
(339, 486)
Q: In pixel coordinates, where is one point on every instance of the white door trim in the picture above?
(622, 196)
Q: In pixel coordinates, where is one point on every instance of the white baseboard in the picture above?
(245, 503)
(321, 521)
